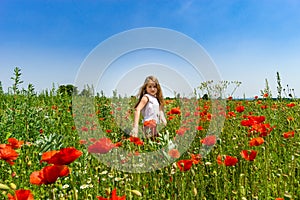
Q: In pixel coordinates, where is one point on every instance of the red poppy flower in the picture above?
(14, 143)
(263, 106)
(265, 95)
(245, 154)
(253, 120)
(256, 141)
(274, 106)
(118, 144)
(94, 127)
(196, 158)
(240, 109)
(246, 122)
(136, 140)
(184, 165)
(64, 156)
(187, 114)
(263, 129)
(206, 117)
(174, 153)
(182, 130)
(209, 140)
(259, 102)
(171, 117)
(8, 154)
(288, 134)
(175, 111)
(46, 156)
(199, 128)
(197, 114)
(231, 114)
(82, 142)
(108, 131)
(150, 123)
(113, 196)
(21, 194)
(168, 101)
(228, 161)
(290, 105)
(219, 160)
(102, 146)
(84, 128)
(49, 174)
(36, 178)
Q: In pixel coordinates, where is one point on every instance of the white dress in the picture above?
(151, 109)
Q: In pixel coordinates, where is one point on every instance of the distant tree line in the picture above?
(73, 90)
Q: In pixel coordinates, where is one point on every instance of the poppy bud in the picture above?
(13, 186)
(4, 187)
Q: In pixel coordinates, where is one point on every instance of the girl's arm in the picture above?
(137, 112)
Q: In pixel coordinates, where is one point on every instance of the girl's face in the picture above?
(151, 88)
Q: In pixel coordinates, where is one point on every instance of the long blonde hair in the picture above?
(143, 91)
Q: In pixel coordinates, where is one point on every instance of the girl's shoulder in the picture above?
(151, 98)
(145, 98)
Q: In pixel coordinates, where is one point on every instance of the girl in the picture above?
(151, 104)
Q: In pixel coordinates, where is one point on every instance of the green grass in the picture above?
(274, 173)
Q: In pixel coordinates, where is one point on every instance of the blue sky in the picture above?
(249, 41)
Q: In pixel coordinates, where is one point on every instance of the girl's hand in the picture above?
(134, 131)
(162, 117)
(164, 121)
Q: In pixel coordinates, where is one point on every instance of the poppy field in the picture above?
(44, 154)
